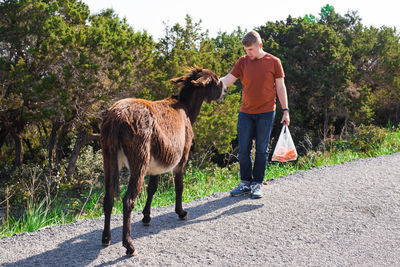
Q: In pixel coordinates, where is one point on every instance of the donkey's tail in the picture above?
(109, 145)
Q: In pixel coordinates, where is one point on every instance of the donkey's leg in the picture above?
(151, 190)
(134, 188)
(179, 170)
(178, 191)
(107, 207)
(110, 170)
(129, 204)
(139, 160)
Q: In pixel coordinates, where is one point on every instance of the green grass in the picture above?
(197, 183)
(36, 216)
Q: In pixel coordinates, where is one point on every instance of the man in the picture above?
(262, 77)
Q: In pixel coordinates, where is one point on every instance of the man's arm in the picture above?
(282, 95)
(228, 80)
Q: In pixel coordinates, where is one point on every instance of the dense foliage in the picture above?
(61, 67)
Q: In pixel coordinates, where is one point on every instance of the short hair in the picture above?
(251, 38)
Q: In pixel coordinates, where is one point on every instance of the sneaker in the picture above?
(256, 191)
(242, 189)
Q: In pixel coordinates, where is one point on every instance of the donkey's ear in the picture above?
(178, 80)
(202, 81)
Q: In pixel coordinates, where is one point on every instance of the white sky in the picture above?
(226, 16)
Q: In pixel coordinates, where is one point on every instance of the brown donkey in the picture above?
(152, 137)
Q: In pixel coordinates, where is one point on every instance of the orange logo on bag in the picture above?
(284, 155)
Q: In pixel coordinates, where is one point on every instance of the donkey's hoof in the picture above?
(130, 249)
(183, 216)
(146, 221)
(106, 241)
(130, 253)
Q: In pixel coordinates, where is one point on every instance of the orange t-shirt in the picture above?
(258, 80)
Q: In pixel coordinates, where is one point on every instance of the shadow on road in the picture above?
(84, 249)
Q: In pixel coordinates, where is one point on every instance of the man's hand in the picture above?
(285, 118)
(224, 87)
(228, 80)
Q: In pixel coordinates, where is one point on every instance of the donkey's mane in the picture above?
(186, 85)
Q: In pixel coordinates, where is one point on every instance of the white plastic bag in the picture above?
(284, 149)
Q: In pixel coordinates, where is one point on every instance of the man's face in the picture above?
(253, 51)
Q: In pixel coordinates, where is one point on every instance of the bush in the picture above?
(215, 127)
(367, 138)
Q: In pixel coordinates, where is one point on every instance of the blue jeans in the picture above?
(258, 127)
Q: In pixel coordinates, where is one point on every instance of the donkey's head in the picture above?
(202, 84)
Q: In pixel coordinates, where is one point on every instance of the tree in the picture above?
(376, 57)
(32, 35)
(63, 67)
(317, 67)
(109, 62)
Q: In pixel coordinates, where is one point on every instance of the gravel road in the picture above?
(343, 215)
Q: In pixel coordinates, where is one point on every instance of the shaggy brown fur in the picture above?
(152, 137)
